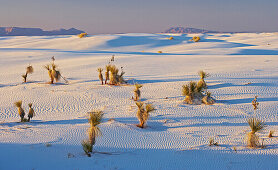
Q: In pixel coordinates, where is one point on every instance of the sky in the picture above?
(149, 16)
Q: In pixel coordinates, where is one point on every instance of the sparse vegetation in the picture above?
(196, 39)
(170, 38)
(21, 112)
(270, 135)
(208, 100)
(31, 113)
(95, 118)
(143, 113)
(255, 103)
(53, 72)
(100, 75)
(114, 77)
(137, 92)
(107, 68)
(212, 143)
(159, 51)
(82, 35)
(29, 70)
(202, 82)
(256, 125)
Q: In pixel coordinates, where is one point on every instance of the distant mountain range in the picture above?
(188, 30)
(18, 31)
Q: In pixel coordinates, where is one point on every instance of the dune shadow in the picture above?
(247, 100)
(256, 52)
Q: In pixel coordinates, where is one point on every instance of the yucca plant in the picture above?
(95, 118)
(107, 68)
(82, 35)
(137, 92)
(21, 112)
(53, 73)
(100, 75)
(143, 113)
(256, 125)
(113, 74)
(31, 113)
(208, 100)
(87, 147)
(29, 70)
(270, 135)
(196, 39)
(202, 82)
(255, 103)
(188, 91)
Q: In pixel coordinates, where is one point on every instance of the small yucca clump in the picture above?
(270, 135)
(21, 112)
(100, 75)
(143, 113)
(95, 118)
(137, 92)
(29, 70)
(159, 51)
(196, 39)
(53, 73)
(82, 35)
(107, 68)
(170, 38)
(255, 125)
(191, 91)
(255, 103)
(202, 82)
(114, 77)
(208, 100)
(31, 113)
(211, 142)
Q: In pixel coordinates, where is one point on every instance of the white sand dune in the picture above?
(177, 135)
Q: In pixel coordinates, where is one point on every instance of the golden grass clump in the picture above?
(196, 39)
(159, 51)
(170, 38)
(270, 135)
(207, 99)
(31, 113)
(212, 143)
(137, 92)
(95, 118)
(21, 112)
(53, 72)
(82, 35)
(29, 70)
(100, 76)
(255, 103)
(202, 82)
(143, 113)
(114, 77)
(256, 125)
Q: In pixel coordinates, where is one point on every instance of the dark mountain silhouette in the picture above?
(18, 31)
(188, 30)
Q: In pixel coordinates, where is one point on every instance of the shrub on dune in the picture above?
(95, 118)
(53, 73)
(208, 100)
(100, 75)
(270, 135)
(114, 77)
(255, 103)
(202, 82)
(31, 113)
(137, 92)
(189, 91)
(21, 112)
(82, 35)
(196, 39)
(256, 125)
(143, 113)
(29, 70)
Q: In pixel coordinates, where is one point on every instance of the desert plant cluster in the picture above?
(21, 112)
(194, 92)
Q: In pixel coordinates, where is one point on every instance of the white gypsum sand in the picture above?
(177, 135)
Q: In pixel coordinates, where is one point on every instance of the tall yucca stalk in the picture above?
(107, 68)
(21, 112)
(95, 118)
(202, 82)
(31, 113)
(100, 75)
(256, 125)
(143, 113)
(255, 103)
(137, 92)
(29, 70)
(188, 91)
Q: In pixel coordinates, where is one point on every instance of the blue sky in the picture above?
(119, 16)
